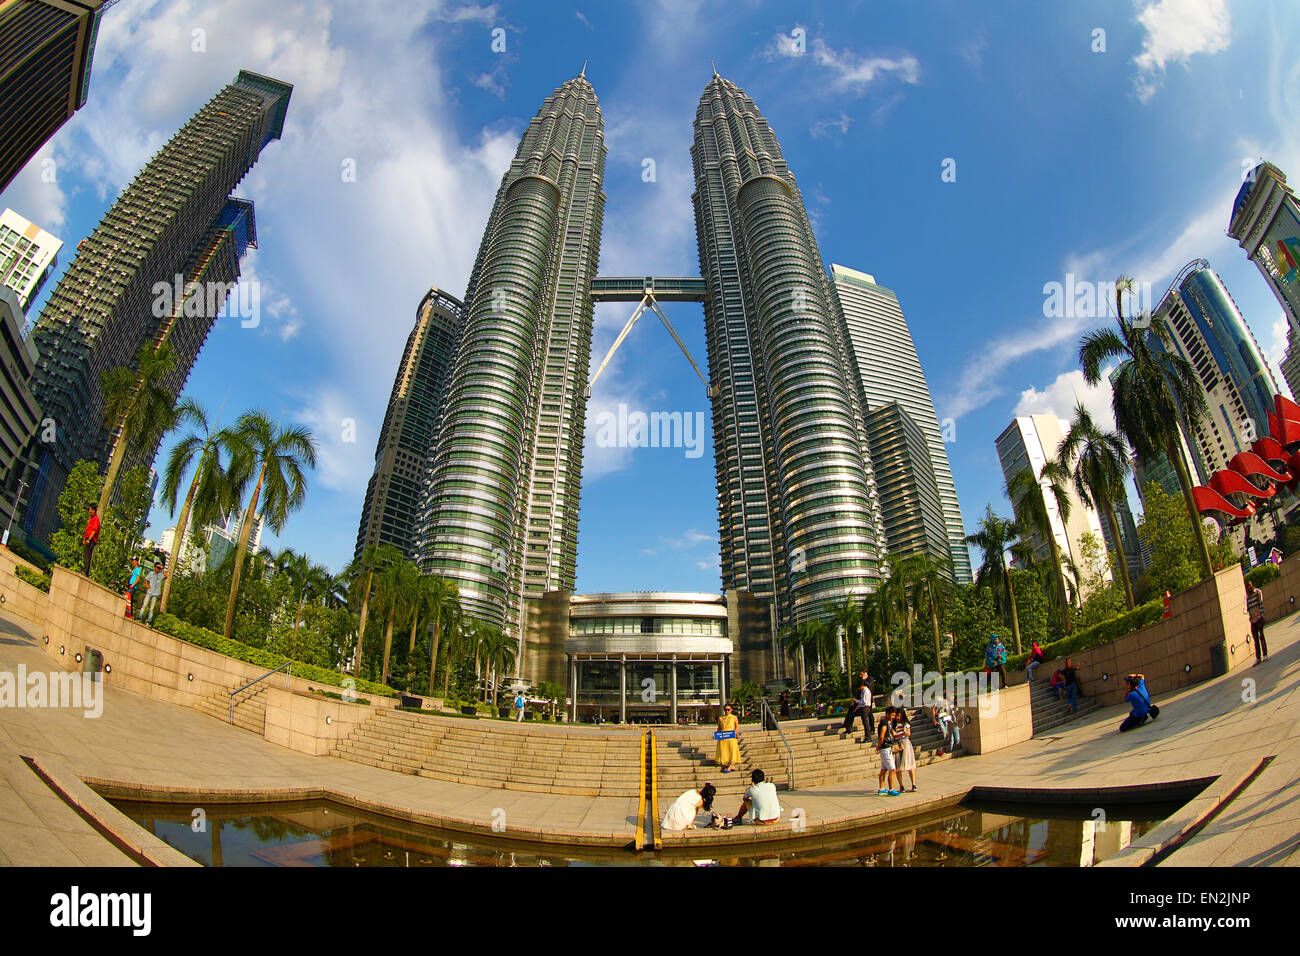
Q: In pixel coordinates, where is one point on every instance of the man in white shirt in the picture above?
(519, 705)
(760, 797)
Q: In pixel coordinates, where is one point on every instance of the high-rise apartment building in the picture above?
(174, 224)
(1290, 365)
(889, 370)
(27, 256)
(1208, 330)
(46, 48)
(503, 493)
(19, 413)
(909, 495)
(1030, 442)
(1265, 221)
(799, 519)
(407, 440)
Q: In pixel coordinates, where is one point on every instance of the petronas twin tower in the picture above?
(800, 525)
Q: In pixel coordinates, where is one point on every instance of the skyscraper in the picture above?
(395, 493)
(27, 255)
(503, 493)
(889, 370)
(909, 494)
(1209, 331)
(46, 47)
(797, 514)
(1029, 442)
(1265, 221)
(174, 219)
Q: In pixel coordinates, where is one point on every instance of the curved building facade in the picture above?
(797, 514)
(504, 481)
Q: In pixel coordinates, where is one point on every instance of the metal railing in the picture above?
(767, 715)
(240, 690)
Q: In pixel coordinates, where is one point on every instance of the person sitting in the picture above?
(1035, 658)
(681, 815)
(1058, 682)
(760, 801)
(1139, 700)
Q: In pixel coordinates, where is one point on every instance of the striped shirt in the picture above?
(1255, 604)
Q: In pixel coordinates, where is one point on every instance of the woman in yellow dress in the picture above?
(727, 755)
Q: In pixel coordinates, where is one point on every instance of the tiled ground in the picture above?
(142, 741)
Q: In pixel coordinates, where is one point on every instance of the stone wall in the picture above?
(1173, 652)
(20, 597)
(1001, 719)
(309, 723)
(1281, 596)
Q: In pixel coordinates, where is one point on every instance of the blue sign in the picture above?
(724, 735)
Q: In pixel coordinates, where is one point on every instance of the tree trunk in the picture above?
(1198, 530)
(245, 532)
(1059, 579)
(1109, 508)
(1015, 615)
(361, 629)
(934, 623)
(179, 541)
(114, 466)
(433, 651)
(388, 643)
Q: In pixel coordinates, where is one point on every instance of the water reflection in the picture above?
(321, 833)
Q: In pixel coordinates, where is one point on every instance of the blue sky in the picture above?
(1067, 161)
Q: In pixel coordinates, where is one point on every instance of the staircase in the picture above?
(823, 754)
(250, 708)
(497, 754)
(1049, 713)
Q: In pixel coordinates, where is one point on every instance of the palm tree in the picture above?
(993, 537)
(1098, 464)
(361, 575)
(876, 617)
(211, 492)
(138, 408)
(314, 583)
(444, 606)
(396, 589)
(1028, 497)
(1157, 396)
(846, 617)
(792, 643)
(499, 653)
(933, 589)
(278, 456)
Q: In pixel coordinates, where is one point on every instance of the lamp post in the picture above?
(22, 485)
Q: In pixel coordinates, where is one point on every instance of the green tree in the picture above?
(1170, 536)
(993, 538)
(1104, 599)
(1157, 396)
(1097, 461)
(211, 493)
(138, 408)
(1028, 496)
(277, 456)
(444, 607)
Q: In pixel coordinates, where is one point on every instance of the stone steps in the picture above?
(250, 709)
(1050, 714)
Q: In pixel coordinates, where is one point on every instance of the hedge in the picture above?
(1263, 574)
(202, 637)
(34, 578)
(1102, 633)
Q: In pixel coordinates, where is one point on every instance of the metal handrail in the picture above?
(238, 690)
(656, 834)
(789, 762)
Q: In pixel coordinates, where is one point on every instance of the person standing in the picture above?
(154, 579)
(520, 704)
(727, 753)
(888, 765)
(995, 658)
(948, 719)
(132, 584)
(1070, 674)
(907, 757)
(90, 538)
(1255, 608)
(861, 708)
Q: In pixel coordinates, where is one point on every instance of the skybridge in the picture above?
(648, 292)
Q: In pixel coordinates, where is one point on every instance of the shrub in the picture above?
(202, 637)
(1102, 633)
(34, 578)
(1263, 574)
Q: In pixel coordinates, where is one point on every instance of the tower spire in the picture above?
(715, 67)
(583, 74)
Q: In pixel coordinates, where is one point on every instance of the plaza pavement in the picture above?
(1206, 731)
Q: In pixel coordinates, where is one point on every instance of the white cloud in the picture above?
(1175, 31)
(824, 127)
(1060, 397)
(333, 417)
(850, 73)
(30, 194)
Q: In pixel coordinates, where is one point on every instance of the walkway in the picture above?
(1204, 732)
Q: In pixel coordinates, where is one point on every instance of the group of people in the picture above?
(759, 804)
(897, 756)
(152, 584)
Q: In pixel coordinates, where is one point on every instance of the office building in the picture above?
(46, 48)
(28, 254)
(1030, 442)
(1265, 221)
(889, 370)
(174, 224)
(910, 501)
(407, 439)
(19, 414)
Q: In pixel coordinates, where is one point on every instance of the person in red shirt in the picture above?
(89, 539)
